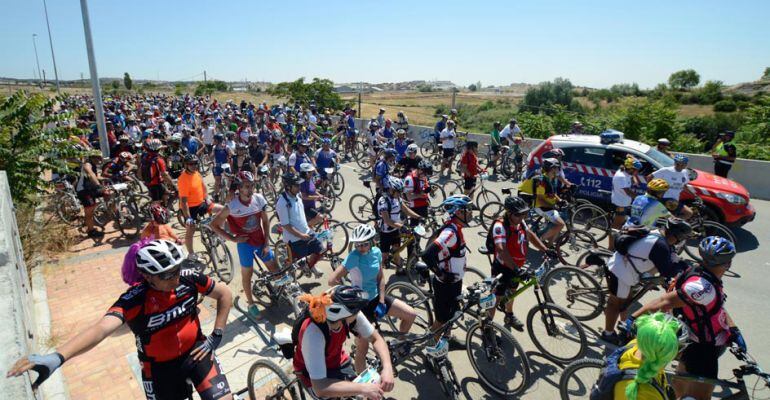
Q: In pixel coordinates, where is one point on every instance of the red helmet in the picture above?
(244, 176)
(159, 213)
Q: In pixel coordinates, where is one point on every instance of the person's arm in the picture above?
(381, 285)
(535, 240)
(381, 348)
(409, 212)
(661, 256)
(337, 275)
(666, 302)
(385, 215)
(224, 299)
(502, 251)
(218, 223)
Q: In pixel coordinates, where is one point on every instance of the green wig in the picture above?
(657, 339)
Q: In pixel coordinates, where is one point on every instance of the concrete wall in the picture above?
(752, 174)
(16, 331)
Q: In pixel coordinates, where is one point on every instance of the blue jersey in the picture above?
(382, 170)
(646, 210)
(264, 136)
(324, 159)
(400, 146)
(191, 144)
(220, 154)
(389, 133)
(301, 158)
(440, 126)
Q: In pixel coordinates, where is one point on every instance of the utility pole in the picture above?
(50, 41)
(204, 76)
(454, 96)
(37, 60)
(43, 77)
(98, 105)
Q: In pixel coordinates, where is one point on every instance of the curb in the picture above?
(55, 388)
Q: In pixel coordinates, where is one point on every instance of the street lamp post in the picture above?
(98, 105)
(50, 41)
(37, 60)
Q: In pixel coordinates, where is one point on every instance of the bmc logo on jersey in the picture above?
(159, 320)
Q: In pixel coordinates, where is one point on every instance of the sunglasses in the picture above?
(363, 244)
(169, 274)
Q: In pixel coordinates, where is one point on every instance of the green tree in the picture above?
(127, 82)
(27, 148)
(766, 75)
(210, 87)
(472, 87)
(319, 91)
(684, 79)
(711, 92)
(115, 85)
(544, 96)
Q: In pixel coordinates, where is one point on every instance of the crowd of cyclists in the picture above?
(168, 144)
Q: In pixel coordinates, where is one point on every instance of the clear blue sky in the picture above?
(593, 43)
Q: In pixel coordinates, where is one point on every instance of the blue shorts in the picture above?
(246, 254)
(217, 170)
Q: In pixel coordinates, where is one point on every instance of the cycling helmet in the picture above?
(253, 138)
(681, 159)
(426, 166)
(219, 137)
(241, 146)
(125, 156)
(159, 256)
(412, 148)
(550, 163)
(124, 138)
(450, 122)
(664, 142)
(677, 227)
(326, 142)
(230, 134)
(556, 152)
(374, 124)
(657, 185)
(453, 111)
(632, 163)
(282, 161)
(362, 233)
(512, 121)
(390, 153)
(400, 132)
(94, 153)
(159, 213)
(290, 179)
(395, 183)
(190, 159)
(176, 138)
(346, 301)
(303, 143)
(716, 251)
(154, 145)
(516, 205)
(244, 176)
(456, 202)
(306, 167)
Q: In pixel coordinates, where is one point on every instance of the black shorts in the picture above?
(495, 148)
(507, 280)
(88, 197)
(199, 211)
(448, 153)
(469, 183)
(303, 248)
(702, 359)
(421, 211)
(168, 380)
(368, 311)
(209, 148)
(310, 213)
(389, 241)
(156, 192)
(445, 295)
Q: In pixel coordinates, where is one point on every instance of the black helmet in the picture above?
(425, 165)
(190, 159)
(516, 205)
(346, 302)
(290, 179)
(677, 227)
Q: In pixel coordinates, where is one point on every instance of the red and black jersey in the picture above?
(166, 324)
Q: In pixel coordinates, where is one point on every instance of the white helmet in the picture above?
(395, 183)
(177, 137)
(306, 167)
(362, 233)
(159, 256)
(412, 148)
(282, 161)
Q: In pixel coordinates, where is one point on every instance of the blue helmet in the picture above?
(681, 159)
(637, 165)
(716, 250)
(456, 202)
(390, 153)
(326, 141)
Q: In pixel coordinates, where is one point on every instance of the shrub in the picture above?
(725, 106)
(710, 93)
(684, 79)
(542, 98)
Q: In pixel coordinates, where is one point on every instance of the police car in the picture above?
(590, 161)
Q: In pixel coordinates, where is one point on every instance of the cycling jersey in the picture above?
(324, 159)
(307, 188)
(393, 208)
(381, 170)
(191, 185)
(421, 187)
(629, 361)
(548, 188)
(704, 312)
(363, 270)
(221, 154)
(116, 169)
(166, 324)
(471, 163)
(514, 240)
(677, 181)
(157, 168)
(451, 244)
(296, 159)
(649, 255)
(400, 145)
(646, 210)
(176, 162)
(245, 219)
(191, 144)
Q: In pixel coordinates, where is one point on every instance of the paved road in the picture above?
(748, 301)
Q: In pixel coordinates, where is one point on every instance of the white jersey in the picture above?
(620, 181)
(392, 207)
(677, 180)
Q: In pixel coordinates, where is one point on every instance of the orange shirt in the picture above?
(192, 187)
(159, 232)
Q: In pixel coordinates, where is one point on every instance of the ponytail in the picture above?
(658, 342)
(131, 275)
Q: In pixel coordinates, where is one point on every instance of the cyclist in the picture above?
(677, 178)
(699, 299)
(652, 253)
(495, 142)
(382, 169)
(381, 117)
(325, 158)
(88, 189)
(410, 161)
(417, 190)
(556, 153)
(207, 135)
(469, 167)
(439, 127)
(376, 141)
(402, 122)
(388, 132)
(222, 155)
(117, 169)
(158, 227)
(509, 131)
(175, 156)
(192, 143)
(256, 157)
(320, 360)
(309, 194)
(448, 136)
(171, 349)
(192, 198)
(446, 257)
(246, 218)
(401, 144)
(296, 232)
(511, 237)
(648, 208)
(624, 181)
(453, 116)
(547, 198)
(389, 208)
(363, 267)
(299, 156)
(152, 170)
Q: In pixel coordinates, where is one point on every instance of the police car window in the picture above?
(617, 157)
(591, 156)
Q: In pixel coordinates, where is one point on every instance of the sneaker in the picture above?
(93, 233)
(254, 311)
(512, 322)
(316, 272)
(455, 343)
(611, 338)
(192, 256)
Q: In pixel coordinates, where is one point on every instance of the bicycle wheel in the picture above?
(221, 259)
(578, 378)
(473, 275)
(428, 148)
(573, 243)
(556, 333)
(68, 209)
(266, 380)
(491, 212)
(364, 162)
(102, 215)
(340, 237)
(361, 207)
(128, 220)
(414, 297)
(507, 167)
(453, 187)
(276, 230)
(485, 196)
(592, 219)
(359, 150)
(449, 383)
(338, 184)
(708, 228)
(576, 290)
(437, 195)
(502, 367)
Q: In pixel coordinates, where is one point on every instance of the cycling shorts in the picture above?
(551, 216)
(369, 309)
(247, 252)
(303, 248)
(156, 192)
(448, 153)
(507, 280)
(88, 197)
(617, 288)
(702, 359)
(446, 299)
(389, 241)
(469, 183)
(199, 211)
(168, 380)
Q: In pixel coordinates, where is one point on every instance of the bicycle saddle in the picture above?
(484, 250)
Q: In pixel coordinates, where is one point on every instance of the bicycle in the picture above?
(122, 207)
(265, 186)
(483, 195)
(578, 378)
(702, 228)
(65, 202)
(271, 287)
(547, 312)
(217, 255)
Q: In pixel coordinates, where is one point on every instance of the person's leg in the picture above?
(553, 232)
(189, 232)
(209, 380)
(88, 218)
(685, 212)
(246, 257)
(402, 311)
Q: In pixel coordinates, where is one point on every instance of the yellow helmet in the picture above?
(657, 185)
(632, 162)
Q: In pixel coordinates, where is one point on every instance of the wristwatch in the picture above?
(217, 332)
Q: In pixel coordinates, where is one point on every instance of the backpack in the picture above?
(701, 326)
(289, 348)
(527, 189)
(629, 235)
(604, 388)
(146, 169)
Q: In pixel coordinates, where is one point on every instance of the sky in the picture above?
(592, 43)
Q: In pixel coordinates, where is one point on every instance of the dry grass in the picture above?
(42, 239)
(695, 110)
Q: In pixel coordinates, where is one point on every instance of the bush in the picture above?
(542, 98)
(210, 87)
(319, 91)
(725, 106)
(683, 80)
(710, 93)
